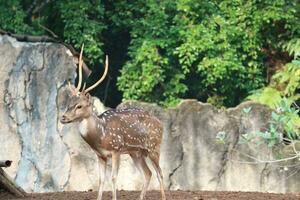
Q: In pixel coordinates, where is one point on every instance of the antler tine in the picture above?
(83, 88)
(80, 69)
(69, 84)
(102, 77)
(72, 88)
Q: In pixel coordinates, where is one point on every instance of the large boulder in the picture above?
(49, 156)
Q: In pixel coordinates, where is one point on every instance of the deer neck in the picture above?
(91, 130)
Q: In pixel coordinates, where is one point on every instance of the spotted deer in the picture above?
(115, 132)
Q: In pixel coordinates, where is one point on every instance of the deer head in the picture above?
(80, 104)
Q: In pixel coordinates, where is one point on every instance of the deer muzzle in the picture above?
(64, 119)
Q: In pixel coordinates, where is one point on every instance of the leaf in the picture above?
(296, 62)
(275, 116)
(247, 110)
(220, 137)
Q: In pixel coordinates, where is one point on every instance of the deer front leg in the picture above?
(115, 163)
(102, 163)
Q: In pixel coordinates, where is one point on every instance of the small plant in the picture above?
(221, 137)
(283, 125)
(247, 110)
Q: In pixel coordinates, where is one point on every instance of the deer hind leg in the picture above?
(140, 163)
(115, 163)
(102, 163)
(154, 157)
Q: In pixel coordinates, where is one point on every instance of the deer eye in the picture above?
(79, 107)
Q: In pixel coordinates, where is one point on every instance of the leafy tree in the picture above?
(12, 17)
(82, 22)
(163, 51)
(209, 50)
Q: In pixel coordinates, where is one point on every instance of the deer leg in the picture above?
(115, 163)
(102, 162)
(142, 166)
(154, 157)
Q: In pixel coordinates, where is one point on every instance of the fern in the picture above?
(268, 96)
(289, 78)
(293, 47)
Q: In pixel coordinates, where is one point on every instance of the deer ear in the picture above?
(88, 96)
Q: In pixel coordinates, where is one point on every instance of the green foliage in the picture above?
(269, 137)
(283, 124)
(268, 96)
(289, 78)
(164, 51)
(293, 47)
(288, 119)
(12, 16)
(149, 62)
(282, 94)
(76, 22)
(212, 49)
(285, 83)
(83, 23)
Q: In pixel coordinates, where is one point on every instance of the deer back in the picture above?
(130, 129)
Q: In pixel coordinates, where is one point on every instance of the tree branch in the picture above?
(259, 161)
(9, 185)
(48, 30)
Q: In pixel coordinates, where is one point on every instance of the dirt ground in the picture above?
(155, 195)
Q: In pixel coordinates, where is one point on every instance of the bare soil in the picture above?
(155, 195)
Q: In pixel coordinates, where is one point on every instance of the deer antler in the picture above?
(80, 69)
(75, 91)
(101, 79)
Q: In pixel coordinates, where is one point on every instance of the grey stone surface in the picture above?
(45, 154)
(49, 156)
(193, 160)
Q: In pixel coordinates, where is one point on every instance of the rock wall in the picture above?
(49, 156)
(46, 155)
(193, 160)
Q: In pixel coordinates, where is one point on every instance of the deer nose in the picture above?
(63, 119)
